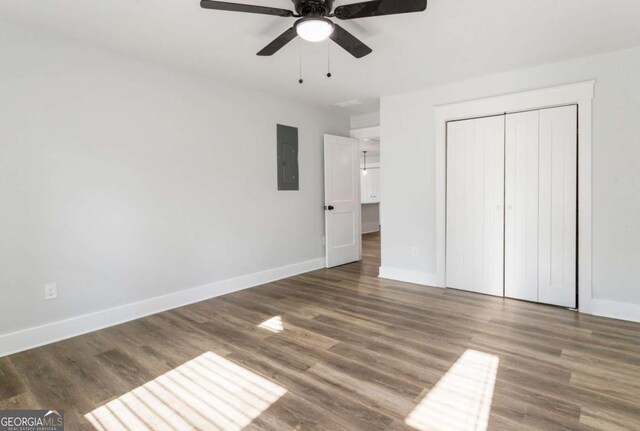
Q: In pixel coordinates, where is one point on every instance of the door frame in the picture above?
(580, 94)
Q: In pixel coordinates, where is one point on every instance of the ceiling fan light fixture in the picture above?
(314, 29)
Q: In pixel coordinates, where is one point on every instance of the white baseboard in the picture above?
(49, 333)
(597, 307)
(409, 276)
(615, 310)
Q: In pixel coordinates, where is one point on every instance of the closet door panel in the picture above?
(558, 206)
(469, 210)
(491, 205)
(457, 274)
(521, 211)
(475, 195)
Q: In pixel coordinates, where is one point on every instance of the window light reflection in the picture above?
(461, 400)
(208, 392)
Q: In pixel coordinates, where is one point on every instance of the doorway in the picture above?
(370, 196)
(370, 171)
(352, 197)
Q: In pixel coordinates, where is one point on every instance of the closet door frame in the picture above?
(580, 94)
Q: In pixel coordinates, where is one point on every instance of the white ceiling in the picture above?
(453, 40)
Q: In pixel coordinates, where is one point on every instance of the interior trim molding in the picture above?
(366, 133)
(37, 336)
(580, 94)
(409, 276)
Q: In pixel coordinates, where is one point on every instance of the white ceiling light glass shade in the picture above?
(314, 29)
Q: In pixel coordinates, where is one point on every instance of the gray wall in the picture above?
(408, 184)
(122, 180)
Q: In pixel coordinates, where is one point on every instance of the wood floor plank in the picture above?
(346, 350)
(25, 400)
(356, 414)
(12, 384)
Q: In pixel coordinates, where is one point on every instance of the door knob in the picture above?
(329, 208)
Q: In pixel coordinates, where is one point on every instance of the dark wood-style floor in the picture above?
(341, 350)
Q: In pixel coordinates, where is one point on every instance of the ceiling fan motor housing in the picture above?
(313, 7)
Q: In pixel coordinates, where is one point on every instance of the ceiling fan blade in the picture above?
(349, 42)
(237, 7)
(278, 42)
(379, 8)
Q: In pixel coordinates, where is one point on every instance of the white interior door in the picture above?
(558, 205)
(540, 219)
(475, 198)
(342, 200)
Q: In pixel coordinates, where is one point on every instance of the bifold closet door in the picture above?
(558, 206)
(475, 197)
(521, 205)
(541, 212)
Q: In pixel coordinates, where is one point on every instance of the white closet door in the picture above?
(558, 206)
(540, 199)
(521, 200)
(475, 197)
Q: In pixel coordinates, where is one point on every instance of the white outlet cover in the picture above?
(50, 290)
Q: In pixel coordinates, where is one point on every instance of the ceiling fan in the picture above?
(314, 25)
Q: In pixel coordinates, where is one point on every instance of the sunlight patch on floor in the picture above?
(208, 392)
(274, 324)
(461, 401)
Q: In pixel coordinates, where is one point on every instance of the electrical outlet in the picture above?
(51, 290)
(415, 251)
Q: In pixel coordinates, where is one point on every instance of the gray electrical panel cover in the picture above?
(287, 158)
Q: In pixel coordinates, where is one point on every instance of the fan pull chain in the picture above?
(328, 59)
(300, 81)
